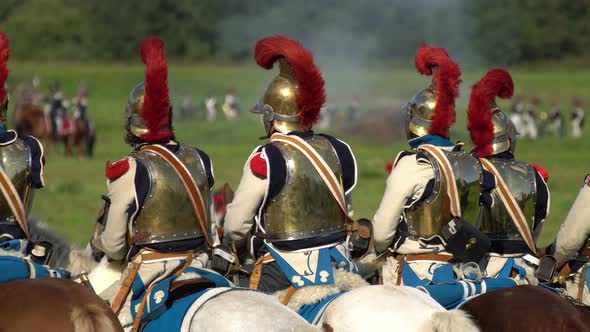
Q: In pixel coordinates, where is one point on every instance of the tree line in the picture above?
(499, 31)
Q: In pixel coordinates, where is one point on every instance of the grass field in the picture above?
(71, 199)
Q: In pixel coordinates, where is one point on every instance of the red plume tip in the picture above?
(311, 94)
(447, 85)
(4, 55)
(155, 111)
(497, 82)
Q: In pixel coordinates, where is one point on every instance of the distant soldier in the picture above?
(518, 109)
(80, 103)
(211, 106)
(556, 120)
(186, 107)
(57, 109)
(529, 119)
(577, 118)
(231, 105)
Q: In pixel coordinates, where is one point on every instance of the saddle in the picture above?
(184, 288)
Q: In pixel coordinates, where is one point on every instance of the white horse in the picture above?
(361, 308)
(399, 308)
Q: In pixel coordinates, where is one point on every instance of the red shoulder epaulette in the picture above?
(116, 169)
(389, 166)
(258, 165)
(542, 171)
(587, 180)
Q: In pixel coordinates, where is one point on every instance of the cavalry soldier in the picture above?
(521, 196)
(573, 243)
(21, 171)
(291, 208)
(430, 208)
(157, 212)
(415, 190)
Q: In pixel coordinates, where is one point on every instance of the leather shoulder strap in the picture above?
(319, 165)
(447, 172)
(189, 183)
(511, 206)
(14, 202)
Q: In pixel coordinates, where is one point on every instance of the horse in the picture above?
(30, 119)
(54, 305)
(400, 308)
(526, 308)
(81, 136)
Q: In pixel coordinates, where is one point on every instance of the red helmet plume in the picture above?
(155, 110)
(497, 82)
(311, 96)
(4, 55)
(447, 85)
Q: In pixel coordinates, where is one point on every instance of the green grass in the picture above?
(71, 198)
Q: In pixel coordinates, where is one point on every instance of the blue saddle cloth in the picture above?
(14, 268)
(450, 292)
(160, 314)
(313, 313)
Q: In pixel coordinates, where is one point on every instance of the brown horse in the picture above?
(526, 308)
(53, 305)
(81, 136)
(30, 119)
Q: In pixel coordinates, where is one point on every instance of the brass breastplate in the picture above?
(167, 214)
(15, 160)
(304, 207)
(520, 179)
(427, 217)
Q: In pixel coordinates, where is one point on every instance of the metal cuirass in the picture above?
(520, 179)
(304, 207)
(427, 217)
(167, 214)
(15, 160)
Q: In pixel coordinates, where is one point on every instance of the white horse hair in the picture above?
(243, 310)
(401, 308)
(343, 281)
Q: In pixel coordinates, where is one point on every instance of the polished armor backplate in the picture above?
(520, 179)
(427, 217)
(304, 207)
(166, 214)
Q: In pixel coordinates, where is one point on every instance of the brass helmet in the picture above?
(148, 114)
(432, 110)
(4, 55)
(491, 130)
(292, 101)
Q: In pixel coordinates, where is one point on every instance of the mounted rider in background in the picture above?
(157, 212)
(521, 196)
(292, 207)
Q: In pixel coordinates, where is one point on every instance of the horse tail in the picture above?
(452, 321)
(93, 317)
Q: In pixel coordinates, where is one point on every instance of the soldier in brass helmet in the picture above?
(21, 171)
(291, 219)
(512, 228)
(418, 204)
(151, 217)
